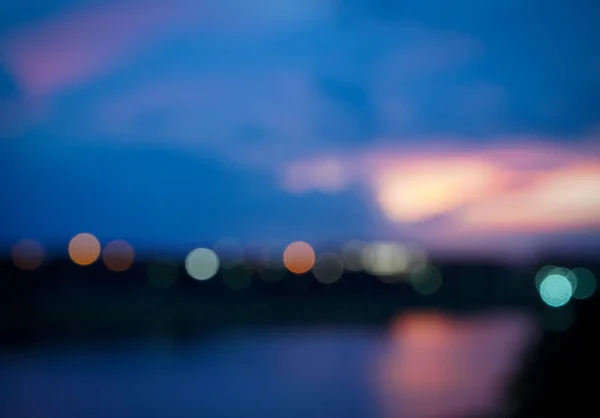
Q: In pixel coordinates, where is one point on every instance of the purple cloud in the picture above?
(77, 46)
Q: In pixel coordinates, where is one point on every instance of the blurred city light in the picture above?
(118, 255)
(202, 264)
(586, 283)
(385, 260)
(299, 257)
(549, 270)
(27, 254)
(84, 249)
(328, 268)
(272, 273)
(351, 253)
(556, 290)
(426, 280)
(418, 258)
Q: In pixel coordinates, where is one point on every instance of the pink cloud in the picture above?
(74, 47)
(326, 174)
(520, 186)
(559, 199)
(78, 45)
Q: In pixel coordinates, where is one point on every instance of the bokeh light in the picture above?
(84, 249)
(118, 255)
(556, 290)
(162, 274)
(586, 283)
(417, 258)
(351, 253)
(299, 257)
(549, 270)
(427, 280)
(202, 264)
(272, 273)
(27, 254)
(385, 259)
(328, 268)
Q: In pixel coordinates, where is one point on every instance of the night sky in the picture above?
(471, 126)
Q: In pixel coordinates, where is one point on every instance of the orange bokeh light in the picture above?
(84, 249)
(118, 255)
(299, 257)
(27, 254)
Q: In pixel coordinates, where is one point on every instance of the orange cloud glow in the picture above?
(557, 200)
(526, 186)
(424, 189)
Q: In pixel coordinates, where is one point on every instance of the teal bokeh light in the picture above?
(556, 290)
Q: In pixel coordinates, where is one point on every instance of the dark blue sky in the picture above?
(174, 122)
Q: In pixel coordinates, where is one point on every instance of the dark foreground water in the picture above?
(424, 365)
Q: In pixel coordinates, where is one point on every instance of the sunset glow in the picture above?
(432, 188)
(525, 187)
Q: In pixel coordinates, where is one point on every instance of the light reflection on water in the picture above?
(427, 366)
(437, 366)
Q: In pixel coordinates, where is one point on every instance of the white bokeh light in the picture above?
(385, 259)
(202, 264)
